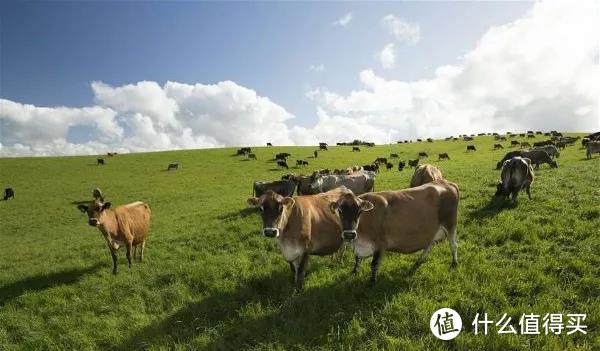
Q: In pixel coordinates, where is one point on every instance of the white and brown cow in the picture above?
(404, 221)
(126, 225)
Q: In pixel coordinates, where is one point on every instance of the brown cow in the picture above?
(303, 226)
(126, 225)
(405, 221)
(425, 173)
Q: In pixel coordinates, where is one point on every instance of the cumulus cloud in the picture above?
(387, 56)
(344, 20)
(402, 30)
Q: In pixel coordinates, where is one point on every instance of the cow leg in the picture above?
(357, 261)
(375, 266)
(300, 272)
(114, 258)
(129, 249)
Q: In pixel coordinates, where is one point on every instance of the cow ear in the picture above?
(252, 202)
(82, 208)
(334, 206)
(366, 206)
(106, 205)
(288, 202)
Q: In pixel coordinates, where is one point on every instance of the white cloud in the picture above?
(402, 30)
(317, 68)
(387, 56)
(344, 20)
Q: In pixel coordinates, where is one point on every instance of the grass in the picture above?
(211, 281)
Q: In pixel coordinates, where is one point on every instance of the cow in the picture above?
(358, 183)
(471, 147)
(251, 156)
(592, 147)
(126, 225)
(389, 166)
(303, 226)
(283, 164)
(9, 193)
(97, 194)
(173, 166)
(514, 143)
(301, 163)
(381, 160)
(539, 156)
(100, 161)
(423, 154)
(404, 221)
(372, 167)
(323, 147)
(269, 144)
(517, 174)
(394, 156)
(401, 165)
(316, 153)
(525, 144)
(425, 173)
(444, 156)
(355, 149)
(550, 150)
(498, 146)
(413, 163)
(284, 187)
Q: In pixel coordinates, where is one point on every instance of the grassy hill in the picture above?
(211, 281)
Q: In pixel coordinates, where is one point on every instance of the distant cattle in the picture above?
(425, 174)
(538, 157)
(550, 150)
(173, 166)
(423, 154)
(413, 163)
(251, 156)
(401, 165)
(389, 166)
(283, 164)
(471, 147)
(515, 143)
(100, 161)
(443, 156)
(269, 144)
(592, 147)
(323, 147)
(394, 156)
(301, 163)
(9, 193)
(525, 144)
(358, 183)
(97, 194)
(126, 225)
(284, 187)
(355, 149)
(402, 221)
(498, 146)
(517, 174)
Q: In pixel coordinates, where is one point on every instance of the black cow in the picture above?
(9, 193)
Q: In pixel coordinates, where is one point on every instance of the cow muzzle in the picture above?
(93, 222)
(349, 235)
(270, 232)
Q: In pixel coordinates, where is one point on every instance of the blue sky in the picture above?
(51, 52)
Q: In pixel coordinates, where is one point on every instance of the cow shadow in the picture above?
(264, 310)
(42, 282)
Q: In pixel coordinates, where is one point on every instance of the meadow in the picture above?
(211, 281)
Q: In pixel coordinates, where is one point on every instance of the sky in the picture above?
(92, 77)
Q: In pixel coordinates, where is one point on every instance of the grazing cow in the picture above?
(517, 174)
(251, 156)
(323, 147)
(316, 153)
(394, 156)
(284, 187)
(498, 146)
(100, 161)
(355, 149)
(126, 225)
(471, 147)
(550, 150)
(301, 163)
(358, 182)
(303, 226)
(404, 221)
(539, 156)
(514, 143)
(9, 193)
(269, 144)
(283, 164)
(381, 160)
(425, 174)
(173, 166)
(97, 194)
(401, 165)
(592, 147)
(413, 163)
(443, 156)
(372, 167)
(423, 154)
(389, 166)
(525, 144)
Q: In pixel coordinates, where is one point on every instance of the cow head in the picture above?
(349, 208)
(274, 210)
(95, 211)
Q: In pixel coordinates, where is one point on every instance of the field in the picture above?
(211, 281)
